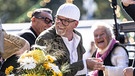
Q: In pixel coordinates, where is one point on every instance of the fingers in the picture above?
(97, 66)
(94, 64)
(133, 2)
(128, 71)
(128, 2)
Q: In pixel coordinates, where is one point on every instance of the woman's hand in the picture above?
(94, 63)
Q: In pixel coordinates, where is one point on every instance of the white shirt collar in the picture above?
(72, 47)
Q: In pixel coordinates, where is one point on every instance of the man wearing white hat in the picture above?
(63, 36)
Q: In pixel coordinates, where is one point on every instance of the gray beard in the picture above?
(59, 32)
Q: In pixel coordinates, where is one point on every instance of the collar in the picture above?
(33, 31)
(75, 37)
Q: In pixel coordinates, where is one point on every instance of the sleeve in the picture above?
(134, 72)
(14, 44)
(74, 68)
(130, 10)
(119, 60)
(29, 37)
(84, 70)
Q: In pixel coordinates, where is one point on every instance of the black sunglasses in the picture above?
(46, 19)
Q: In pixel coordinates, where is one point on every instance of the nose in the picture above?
(98, 36)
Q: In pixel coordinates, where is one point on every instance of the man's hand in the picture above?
(128, 71)
(128, 2)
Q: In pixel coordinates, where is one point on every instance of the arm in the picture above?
(129, 7)
(90, 64)
(29, 37)
(14, 45)
(134, 72)
(127, 2)
(119, 60)
(129, 71)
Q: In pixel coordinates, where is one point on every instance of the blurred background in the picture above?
(19, 11)
(15, 15)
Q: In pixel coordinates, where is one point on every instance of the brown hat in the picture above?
(13, 44)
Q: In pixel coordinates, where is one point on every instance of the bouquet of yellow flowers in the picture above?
(36, 63)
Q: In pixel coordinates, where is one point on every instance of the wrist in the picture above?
(103, 67)
(133, 72)
(125, 4)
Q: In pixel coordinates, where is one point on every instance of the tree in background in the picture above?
(12, 11)
(105, 10)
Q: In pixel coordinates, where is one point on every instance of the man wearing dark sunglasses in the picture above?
(64, 37)
(41, 20)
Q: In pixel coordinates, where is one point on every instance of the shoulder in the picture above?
(118, 45)
(78, 33)
(120, 49)
(25, 31)
(48, 34)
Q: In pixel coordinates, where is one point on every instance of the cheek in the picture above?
(106, 42)
(95, 40)
(41, 27)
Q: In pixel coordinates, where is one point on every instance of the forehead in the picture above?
(46, 14)
(64, 17)
(100, 28)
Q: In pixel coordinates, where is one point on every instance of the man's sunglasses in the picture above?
(46, 20)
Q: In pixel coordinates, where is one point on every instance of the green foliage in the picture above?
(104, 10)
(16, 10)
(11, 9)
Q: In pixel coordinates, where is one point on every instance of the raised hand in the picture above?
(128, 2)
(94, 64)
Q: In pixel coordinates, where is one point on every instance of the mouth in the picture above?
(100, 42)
(61, 28)
(60, 31)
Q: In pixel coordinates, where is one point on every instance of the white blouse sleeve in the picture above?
(119, 60)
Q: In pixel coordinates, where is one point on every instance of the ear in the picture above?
(76, 23)
(33, 19)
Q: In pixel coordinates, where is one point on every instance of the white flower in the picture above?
(28, 63)
(55, 68)
(11, 75)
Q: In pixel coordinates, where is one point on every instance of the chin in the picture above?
(60, 32)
